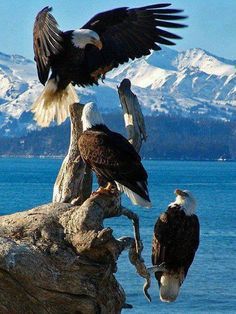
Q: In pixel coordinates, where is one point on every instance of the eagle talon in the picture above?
(107, 190)
(113, 190)
(51, 43)
(97, 192)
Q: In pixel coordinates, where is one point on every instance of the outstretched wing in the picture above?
(47, 42)
(130, 33)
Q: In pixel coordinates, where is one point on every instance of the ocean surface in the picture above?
(210, 286)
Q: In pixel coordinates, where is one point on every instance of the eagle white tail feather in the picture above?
(169, 286)
(53, 104)
(134, 197)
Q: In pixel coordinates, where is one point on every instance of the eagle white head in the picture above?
(186, 200)
(82, 37)
(91, 116)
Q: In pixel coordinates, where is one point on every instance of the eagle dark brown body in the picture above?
(114, 159)
(175, 242)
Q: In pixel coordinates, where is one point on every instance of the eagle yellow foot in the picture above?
(109, 189)
(101, 190)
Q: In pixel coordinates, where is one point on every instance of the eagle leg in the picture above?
(109, 189)
(112, 188)
(103, 190)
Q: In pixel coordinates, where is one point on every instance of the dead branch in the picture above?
(133, 117)
(74, 181)
(59, 258)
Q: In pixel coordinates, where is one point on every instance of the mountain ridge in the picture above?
(192, 83)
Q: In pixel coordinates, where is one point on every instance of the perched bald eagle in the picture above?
(84, 55)
(175, 241)
(112, 158)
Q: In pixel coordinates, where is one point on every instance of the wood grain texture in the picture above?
(74, 181)
(54, 259)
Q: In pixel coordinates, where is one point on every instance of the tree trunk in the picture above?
(133, 117)
(59, 258)
(74, 181)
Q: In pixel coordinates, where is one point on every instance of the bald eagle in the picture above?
(83, 56)
(112, 158)
(175, 241)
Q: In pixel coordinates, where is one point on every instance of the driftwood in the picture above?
(133, 117)
(74, 181)
(59, 258)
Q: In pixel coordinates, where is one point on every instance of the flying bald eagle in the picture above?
(84, 55)
(112, 158)
(175, 241)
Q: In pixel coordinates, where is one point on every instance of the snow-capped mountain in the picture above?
(192, 82)
(189, 82)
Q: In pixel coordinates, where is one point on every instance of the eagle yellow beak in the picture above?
(181, 193)
(98, 44)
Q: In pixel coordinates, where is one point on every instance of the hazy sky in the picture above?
(212, 23)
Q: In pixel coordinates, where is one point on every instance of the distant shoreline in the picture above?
(144, 158)
(33, 156)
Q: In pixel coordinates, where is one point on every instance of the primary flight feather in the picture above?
(83, 56)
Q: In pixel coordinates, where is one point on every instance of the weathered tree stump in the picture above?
(59, 258)
(74, 181)
(133, 116)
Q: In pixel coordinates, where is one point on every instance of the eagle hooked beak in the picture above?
(181, 193)
(97, 43)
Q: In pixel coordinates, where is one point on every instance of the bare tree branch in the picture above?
(59, 258)
(74, 181)
(133, 117)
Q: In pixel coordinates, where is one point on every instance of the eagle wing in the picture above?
(130, 33)
(160, 241)
(47, 42)
(175, 240)
(112, 157)
(192, 228)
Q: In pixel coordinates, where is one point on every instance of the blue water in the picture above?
(210, 286)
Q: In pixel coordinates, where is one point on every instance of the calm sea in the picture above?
(211, 283)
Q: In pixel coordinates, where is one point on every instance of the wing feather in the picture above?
(112, 157)
(47, 42)
(176, 239)
(131, 33)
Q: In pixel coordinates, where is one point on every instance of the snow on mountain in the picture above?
(189, 82)
(17, 84)
(192, 82)
(204, 62)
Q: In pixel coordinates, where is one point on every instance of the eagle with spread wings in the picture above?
(83, 56)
